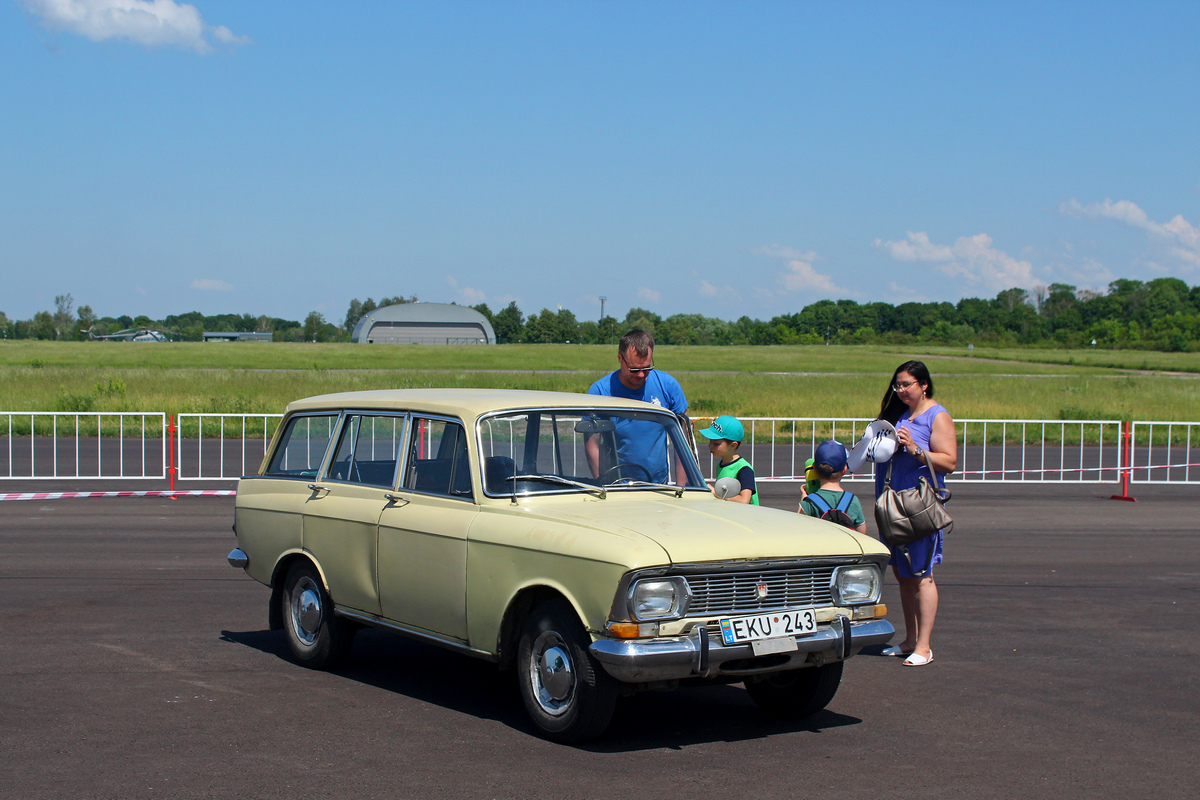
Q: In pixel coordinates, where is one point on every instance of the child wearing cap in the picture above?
(724, 438)
(830, 464)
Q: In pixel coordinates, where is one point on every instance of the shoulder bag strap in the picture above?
(942, 492)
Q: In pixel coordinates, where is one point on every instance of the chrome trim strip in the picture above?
(430, 638)
(677, 657)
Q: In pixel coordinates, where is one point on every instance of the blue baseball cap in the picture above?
(831, 453)
(725, 427)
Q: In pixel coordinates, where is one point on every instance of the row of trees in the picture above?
(1162, 314)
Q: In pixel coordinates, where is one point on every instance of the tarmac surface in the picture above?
(135, 663)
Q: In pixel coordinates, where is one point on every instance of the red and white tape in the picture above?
(1139, 468)
(80, 495)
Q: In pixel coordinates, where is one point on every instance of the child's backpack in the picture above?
(837, 515)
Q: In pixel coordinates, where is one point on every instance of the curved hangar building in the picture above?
(423, 323)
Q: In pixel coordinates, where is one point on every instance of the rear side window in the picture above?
(302, 447)
(437, 459)
(368, 450)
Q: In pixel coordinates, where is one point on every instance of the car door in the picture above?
(272, 505)
(423, 536)
(341, 519)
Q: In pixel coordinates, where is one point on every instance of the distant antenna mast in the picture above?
(600, 324)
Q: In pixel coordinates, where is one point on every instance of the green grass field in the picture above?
(786, 381)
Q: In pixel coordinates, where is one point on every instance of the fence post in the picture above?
(1128, 466)
(171, 446)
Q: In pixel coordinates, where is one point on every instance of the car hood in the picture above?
(697, 529)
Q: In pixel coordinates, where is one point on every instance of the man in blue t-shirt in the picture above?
(643, 443)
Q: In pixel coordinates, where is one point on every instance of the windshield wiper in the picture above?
(678, 490)
(559, 479)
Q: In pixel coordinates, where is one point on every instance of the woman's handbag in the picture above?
(907, 515)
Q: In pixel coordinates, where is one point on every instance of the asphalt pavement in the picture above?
(135, 663)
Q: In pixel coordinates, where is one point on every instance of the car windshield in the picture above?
(576, 450)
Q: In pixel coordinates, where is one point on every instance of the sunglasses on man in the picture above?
(637, 370)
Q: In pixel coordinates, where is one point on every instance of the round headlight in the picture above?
(657, 598)
(858, 584)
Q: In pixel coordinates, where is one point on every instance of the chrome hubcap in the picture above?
(306, 610)
(552, 674)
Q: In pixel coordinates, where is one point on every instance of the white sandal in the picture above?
(915, 660)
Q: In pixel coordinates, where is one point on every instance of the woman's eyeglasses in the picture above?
(899, 386)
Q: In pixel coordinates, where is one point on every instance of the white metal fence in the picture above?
(1165, 452)
(217, 447)
(52, 445)
(222, 446)
(992, 451)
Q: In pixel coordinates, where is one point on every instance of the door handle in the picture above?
(316, 487)
(395, 498)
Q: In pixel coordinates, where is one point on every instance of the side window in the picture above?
(367, 450)
(437, 459)
(302, 446)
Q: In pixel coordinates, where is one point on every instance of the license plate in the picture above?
(770, 625)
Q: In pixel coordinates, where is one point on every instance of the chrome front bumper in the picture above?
(704, 654)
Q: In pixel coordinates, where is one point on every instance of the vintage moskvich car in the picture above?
(509, 525)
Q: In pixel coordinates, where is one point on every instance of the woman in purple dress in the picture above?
(922, 428)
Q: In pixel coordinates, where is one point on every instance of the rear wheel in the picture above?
(568, 696)
(316, 636)
(796, 693)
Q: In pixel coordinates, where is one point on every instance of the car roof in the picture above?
(463, 403)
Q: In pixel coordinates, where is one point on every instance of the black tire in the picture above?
(317, 637)
(796, 693)
(568, 696)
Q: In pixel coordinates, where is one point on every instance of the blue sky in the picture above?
(727, 159)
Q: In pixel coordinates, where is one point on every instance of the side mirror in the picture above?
(727, 487)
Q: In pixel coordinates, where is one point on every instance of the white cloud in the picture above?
(784, 252)
(153, 23)
(649, 294)
(209, 285)
(226, 36)
(468, 296)
(1086, 271)
(1190, 256)
(728, 294)
(970, 257)
(916, 248)
(1178, 230)
(801, 276)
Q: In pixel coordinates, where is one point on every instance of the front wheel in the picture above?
(316, 636)
(568, 696)
(796, 693)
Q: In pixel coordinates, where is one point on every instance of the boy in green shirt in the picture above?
(724, 438)
(830, 463)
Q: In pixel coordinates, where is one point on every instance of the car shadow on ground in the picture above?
(644, 721)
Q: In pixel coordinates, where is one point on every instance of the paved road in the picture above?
(135, 664)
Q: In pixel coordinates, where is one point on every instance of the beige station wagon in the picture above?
(569, 536)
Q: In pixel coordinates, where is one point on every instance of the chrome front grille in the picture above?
(721, 593)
